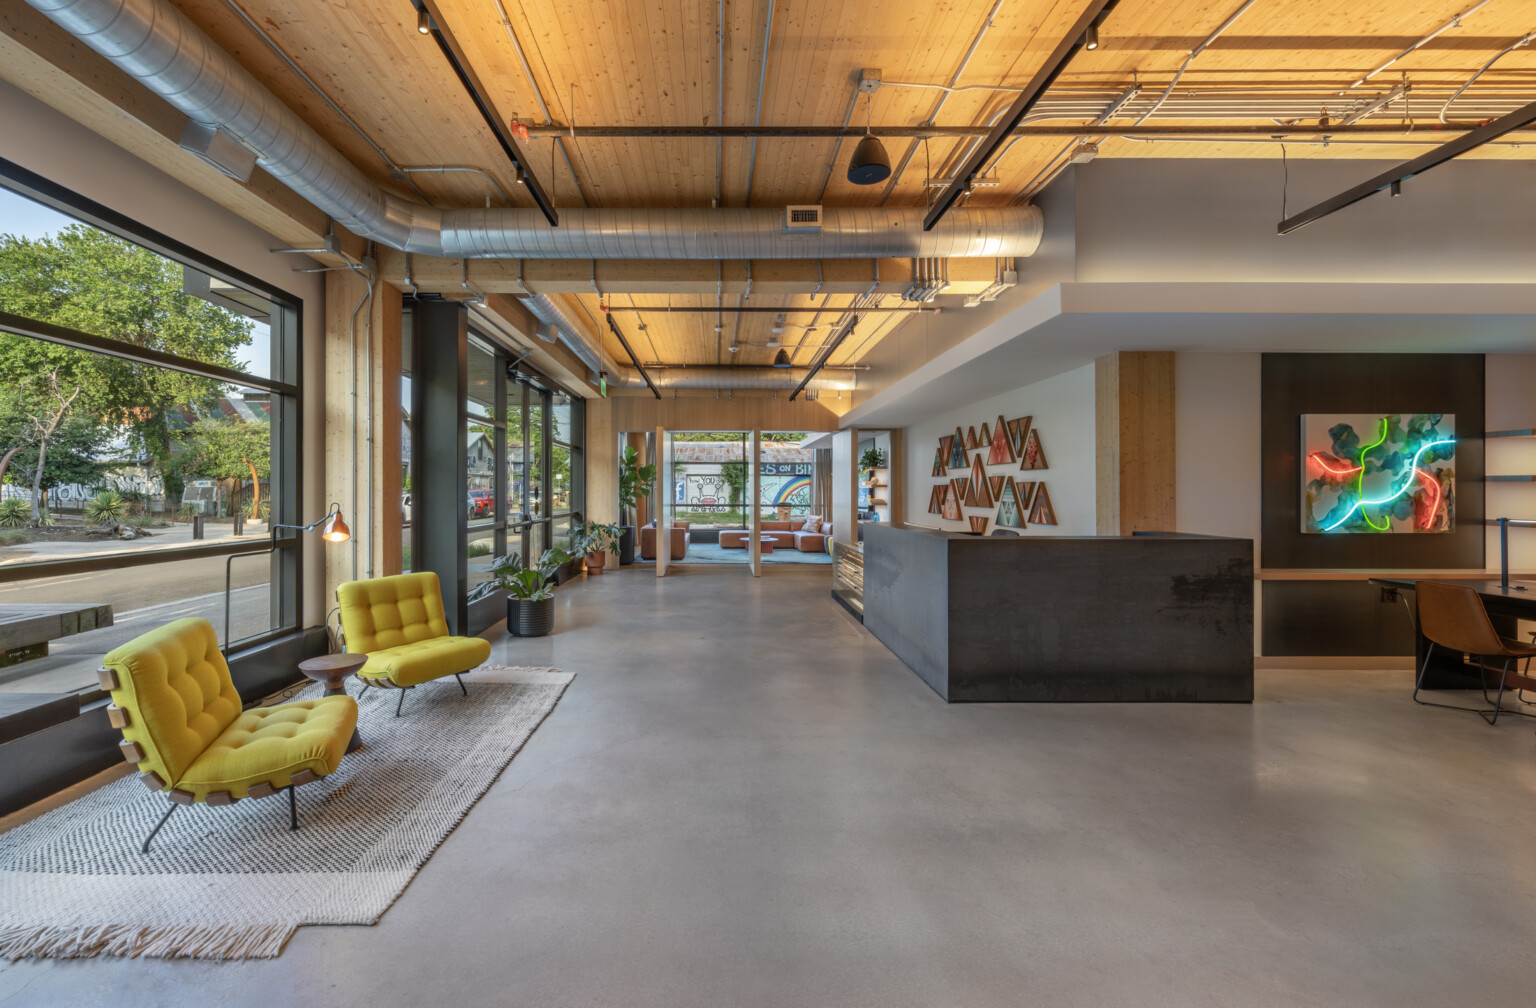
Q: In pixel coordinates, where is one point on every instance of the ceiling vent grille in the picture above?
(803, 219)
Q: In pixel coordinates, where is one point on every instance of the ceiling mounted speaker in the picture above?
(869, 163)
(781, 359)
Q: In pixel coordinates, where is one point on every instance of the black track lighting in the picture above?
(869, 163)
(423, 21)
(1091, 37)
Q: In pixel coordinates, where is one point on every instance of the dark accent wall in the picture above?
(440, 342)
(1296, 384)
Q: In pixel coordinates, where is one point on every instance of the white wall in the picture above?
(1063, 411)
(43, 141)
(1216, 421)
(1511, 405)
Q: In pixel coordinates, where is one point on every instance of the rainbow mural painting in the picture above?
(1368, 473)
(799, 485)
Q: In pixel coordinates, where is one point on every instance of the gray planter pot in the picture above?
(530, 618)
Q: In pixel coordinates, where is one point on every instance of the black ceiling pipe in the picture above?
(613, 327)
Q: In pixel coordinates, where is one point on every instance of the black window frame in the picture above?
(285, 389)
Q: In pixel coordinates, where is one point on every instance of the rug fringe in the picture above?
(183, 941)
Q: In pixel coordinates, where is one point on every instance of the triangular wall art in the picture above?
(1034, 454)
(1042, 513)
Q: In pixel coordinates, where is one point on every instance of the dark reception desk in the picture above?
(1048, 619)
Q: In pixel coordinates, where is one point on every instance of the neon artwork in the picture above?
(1400, 480)
(1323, 458)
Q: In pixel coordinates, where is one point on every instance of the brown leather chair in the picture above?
(1453, 617)
(680, 540)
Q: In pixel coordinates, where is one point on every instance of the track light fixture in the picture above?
(1091, 37)
(423, 21)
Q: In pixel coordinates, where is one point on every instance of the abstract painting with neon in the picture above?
(1368, 473)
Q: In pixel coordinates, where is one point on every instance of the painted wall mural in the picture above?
(1368, 473)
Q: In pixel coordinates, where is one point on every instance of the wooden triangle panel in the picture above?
(978, 525)
(951, 508)
(960, 486)
(1042, 513)
(1018, 430)
(936, 501)
(1025, 491)
(980, 492)
(957, 459)
(1034, 453)
(1010, 513)
(1002, 448)
(997, 483)
(970, 438)
(938, 462)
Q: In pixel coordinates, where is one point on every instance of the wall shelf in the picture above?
(1509, 479)
(1528, 432)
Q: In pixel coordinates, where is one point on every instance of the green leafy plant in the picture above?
(596, 538)
(635, 480)
(873, 458)
(509, 573)
(106, 508)
(14, 512)
(15, 538)
(186, 512)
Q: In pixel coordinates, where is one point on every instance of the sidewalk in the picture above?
(177, 535)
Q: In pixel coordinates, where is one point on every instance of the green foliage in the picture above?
(478, 549)
(873, 458)
(595, 538)
(519, 581)
(635, 480)
(106, 508)
(528, 585)
(89, 280)
(14, 512)
(14, 538)
(735, 476)
(226, 449)
(186, 512)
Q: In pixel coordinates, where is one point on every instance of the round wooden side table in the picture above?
(333, 669)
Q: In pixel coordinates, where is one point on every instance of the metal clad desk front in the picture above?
(1506, 607)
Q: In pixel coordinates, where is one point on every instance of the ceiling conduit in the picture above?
(156, 44)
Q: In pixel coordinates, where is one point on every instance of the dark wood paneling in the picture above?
(1296, 384)
(1333, 618)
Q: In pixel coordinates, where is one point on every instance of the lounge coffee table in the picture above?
(333, 669)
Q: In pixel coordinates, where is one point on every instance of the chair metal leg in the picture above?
(293, 809)
(460, 677)
(1418, 685)
(168, 813)
(400, 704)
(1503, 678)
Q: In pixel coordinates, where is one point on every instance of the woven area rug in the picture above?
(233, 882)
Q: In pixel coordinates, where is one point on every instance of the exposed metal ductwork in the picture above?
(156, 44)
(741, 379)
(571, 332)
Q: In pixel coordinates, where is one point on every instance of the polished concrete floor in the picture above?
(744, 800)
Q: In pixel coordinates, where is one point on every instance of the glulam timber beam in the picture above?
(767, 277)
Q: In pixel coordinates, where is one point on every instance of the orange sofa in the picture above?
(679, 541)
(784, 535)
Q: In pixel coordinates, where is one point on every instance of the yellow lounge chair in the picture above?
(399, 623)
(184, 728)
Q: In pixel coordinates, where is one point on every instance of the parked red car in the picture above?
(480, 502)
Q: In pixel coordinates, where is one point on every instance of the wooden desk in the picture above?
(1506, 607)
(26, 629)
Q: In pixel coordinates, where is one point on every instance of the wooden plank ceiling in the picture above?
(658, 63)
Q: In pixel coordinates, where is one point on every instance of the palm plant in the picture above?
(14, 512)
(106, 508)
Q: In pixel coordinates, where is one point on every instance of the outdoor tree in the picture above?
(85, 279)
(228, 449)
(735, 476)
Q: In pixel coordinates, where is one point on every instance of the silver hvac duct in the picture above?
(154, 42)
(572, 333)
(736, 378)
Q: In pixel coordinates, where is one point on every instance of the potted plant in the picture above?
(635, 481)
(595, 541)
(530, 591)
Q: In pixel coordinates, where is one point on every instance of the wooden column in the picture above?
(601, 449)
(362, 428)
(1134, 409)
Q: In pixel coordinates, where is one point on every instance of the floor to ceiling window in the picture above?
(148, 432)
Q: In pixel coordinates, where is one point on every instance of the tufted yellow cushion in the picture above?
(272, 744)
(176, 689)
(183, 711)
(399, 623)
(423, 661)
(386, 612)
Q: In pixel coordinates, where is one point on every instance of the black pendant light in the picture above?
(781, 359)
(869, 163)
